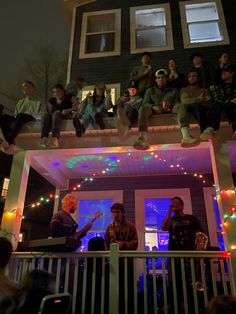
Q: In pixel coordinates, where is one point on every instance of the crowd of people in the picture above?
(202, 93)
(183, 230)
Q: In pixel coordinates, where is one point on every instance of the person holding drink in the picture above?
(159, 99)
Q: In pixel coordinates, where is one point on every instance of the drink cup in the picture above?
(165, 104)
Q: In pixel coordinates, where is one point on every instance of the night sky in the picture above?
(24, 26)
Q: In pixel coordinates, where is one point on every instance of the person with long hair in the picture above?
(96, 109)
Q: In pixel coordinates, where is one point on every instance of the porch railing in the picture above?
(132, 282)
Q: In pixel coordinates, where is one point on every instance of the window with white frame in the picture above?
(91, 202)
(115, 91)
(100, 34)
(151, 28)
(203, 23)
(5, 187)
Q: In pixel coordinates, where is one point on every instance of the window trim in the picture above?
(116, 51)
(169, 32)
(156, 193)
(221, 21)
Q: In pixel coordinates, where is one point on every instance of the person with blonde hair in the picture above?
(63, 225)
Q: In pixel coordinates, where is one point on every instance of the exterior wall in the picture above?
(130, 184)
(117, 69)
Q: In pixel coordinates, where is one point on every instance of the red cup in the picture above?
(165, 104)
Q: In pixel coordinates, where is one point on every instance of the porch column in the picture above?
(224, 180)
(14, 205)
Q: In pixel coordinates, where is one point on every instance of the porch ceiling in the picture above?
(57, 166)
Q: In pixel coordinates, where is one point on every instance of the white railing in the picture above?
(132, 282)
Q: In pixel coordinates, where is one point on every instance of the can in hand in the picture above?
(165, 104)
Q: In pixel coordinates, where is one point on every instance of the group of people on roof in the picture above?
(203, 94)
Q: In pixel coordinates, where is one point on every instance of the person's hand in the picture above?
(233, 100)
(98, 215)
(171, 209)
(63, 112)
(119, 243)
(147, 70)
(157, 109)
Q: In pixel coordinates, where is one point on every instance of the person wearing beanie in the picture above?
(157, 100)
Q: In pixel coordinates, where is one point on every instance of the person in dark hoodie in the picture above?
(204, 69)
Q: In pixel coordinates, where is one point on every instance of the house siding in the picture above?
(117, 69)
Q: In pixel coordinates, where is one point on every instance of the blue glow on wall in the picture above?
(87, 210)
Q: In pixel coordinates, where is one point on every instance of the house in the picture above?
(100, 167)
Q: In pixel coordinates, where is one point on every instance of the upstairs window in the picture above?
(150, 28)
(203, 23)
(100, 34)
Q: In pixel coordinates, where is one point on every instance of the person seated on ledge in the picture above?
(127, 108)
(27, 109)
(225, 95)
(197, 101)
(59, 106)
(96, 109)
(224, 60)
(143, 74)
(176, 79)
(157, 100)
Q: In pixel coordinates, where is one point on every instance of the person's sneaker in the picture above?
(141, 144)
(79, 128)
(190, 141)
(54, 142)
(11, 149)
(43, 142)
(99, 121)
(207, 134)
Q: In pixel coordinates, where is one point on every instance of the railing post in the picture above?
(114, 279)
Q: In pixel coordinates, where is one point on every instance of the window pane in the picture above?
(155, 211)
(150, 18)
(100, 43)
(204, 32)
(151, 38)
(201, 12)
(101, 23)
(87, 209)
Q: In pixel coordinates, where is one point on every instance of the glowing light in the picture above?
(38, 204)
(172, 166)
(33, 205)
(51, 195)
(56, 164)
(47, 200)
(103, 171)
(118, 160)
(195, 174)
(56, 196)
(200, 176)
(74, 188)
(78, 186)
(185, 172)
(41, 199)
(233, 247)
(146, 158)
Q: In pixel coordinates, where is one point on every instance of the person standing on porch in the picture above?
(121, 231)
(62, 224)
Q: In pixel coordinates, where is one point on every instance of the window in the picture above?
(150, 28)
(151, 208)
(89, 204)
(115, 92)
(100, 34)
(5, 187)
(203, 23)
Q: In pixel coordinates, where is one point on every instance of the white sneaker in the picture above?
(54, 142)
(43, 142)
(141, 144)
(207, 134)
(189, 141)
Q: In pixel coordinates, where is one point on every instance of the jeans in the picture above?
(51, 121)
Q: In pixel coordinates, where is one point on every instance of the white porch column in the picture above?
(223, 178)
(14, 205)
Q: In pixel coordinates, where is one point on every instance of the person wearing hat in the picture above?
(157, 100)
(121, 231)
(225, 94)
(127, 108)
(143, 75)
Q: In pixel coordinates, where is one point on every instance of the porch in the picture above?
(137, 282)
